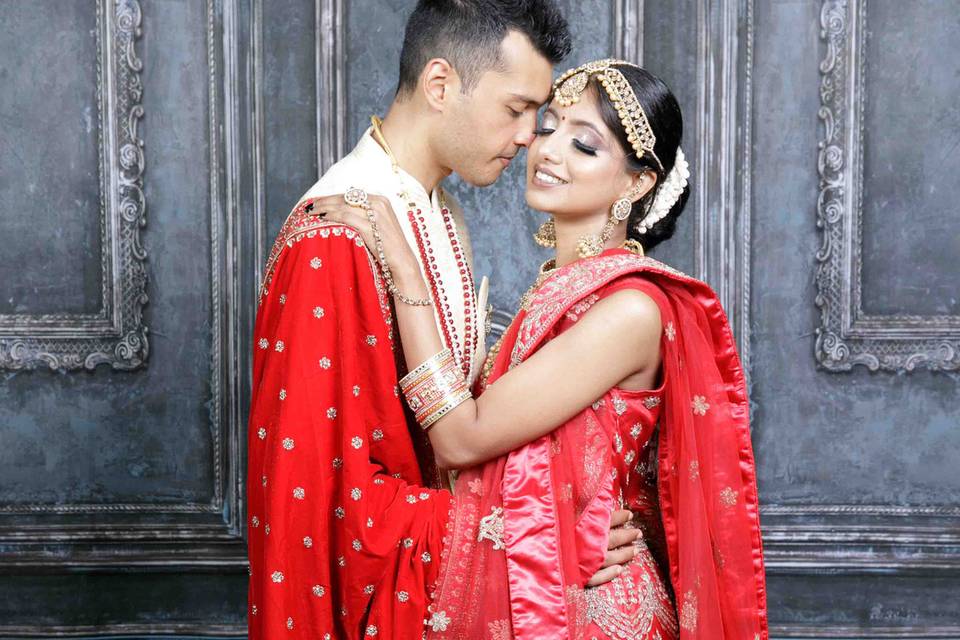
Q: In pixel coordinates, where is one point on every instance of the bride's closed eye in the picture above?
(582, 147)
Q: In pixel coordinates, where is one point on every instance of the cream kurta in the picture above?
(437, 236)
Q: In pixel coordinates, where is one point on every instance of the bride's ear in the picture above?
(640, 184)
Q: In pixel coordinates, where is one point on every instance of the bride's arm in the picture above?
(619, 336)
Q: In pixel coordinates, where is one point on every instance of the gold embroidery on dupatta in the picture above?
(700, 405)
(688, 612)
(491, 528)
(572, 282)
(728, 497)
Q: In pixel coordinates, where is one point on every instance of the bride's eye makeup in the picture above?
(584, 148)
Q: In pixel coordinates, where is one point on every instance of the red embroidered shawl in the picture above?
(532, 587)
(343, 539)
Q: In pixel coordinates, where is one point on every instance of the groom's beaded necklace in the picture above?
(429, 262)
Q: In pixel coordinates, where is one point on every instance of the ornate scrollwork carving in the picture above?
(846, 336)
(116, 335)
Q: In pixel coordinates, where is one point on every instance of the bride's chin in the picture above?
(536, 200)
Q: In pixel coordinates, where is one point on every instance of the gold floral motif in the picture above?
(491, 528)
(728, 497)
(694, 469)
(670, 331)
(700, 405)
(688, 612)
(439, 621)
(619, 406)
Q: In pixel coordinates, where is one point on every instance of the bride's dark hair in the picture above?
(663, 114)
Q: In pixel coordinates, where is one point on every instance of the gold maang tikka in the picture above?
(568, 89)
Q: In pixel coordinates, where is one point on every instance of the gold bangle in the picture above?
(435, 388)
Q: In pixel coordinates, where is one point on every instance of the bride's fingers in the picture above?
(622, 555)
(605, 575)
(620, 517)
(622, 537)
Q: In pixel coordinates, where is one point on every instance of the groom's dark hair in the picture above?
(468, 33)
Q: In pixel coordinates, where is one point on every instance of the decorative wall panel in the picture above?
(121, 493)
(848, 335)
(115, 334)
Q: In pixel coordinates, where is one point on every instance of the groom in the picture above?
(346, 519)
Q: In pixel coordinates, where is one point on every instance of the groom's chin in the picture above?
(482, 179)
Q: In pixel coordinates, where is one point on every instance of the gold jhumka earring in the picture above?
(546, 235)
(591, 245)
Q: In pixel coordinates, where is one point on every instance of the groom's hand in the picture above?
(620, 548)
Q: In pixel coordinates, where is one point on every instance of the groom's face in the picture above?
(487, 127)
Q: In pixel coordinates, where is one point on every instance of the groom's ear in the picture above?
(439, 82)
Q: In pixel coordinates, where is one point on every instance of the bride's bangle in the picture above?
(435, 388)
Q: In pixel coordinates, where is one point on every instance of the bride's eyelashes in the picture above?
(579, 146)
(585, 148)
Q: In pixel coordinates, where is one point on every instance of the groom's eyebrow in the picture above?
(533, 102)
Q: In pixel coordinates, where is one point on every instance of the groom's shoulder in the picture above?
(345, 173)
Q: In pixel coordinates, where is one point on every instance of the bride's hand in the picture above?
(396, 250)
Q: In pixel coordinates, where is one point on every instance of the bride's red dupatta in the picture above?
(519, 550)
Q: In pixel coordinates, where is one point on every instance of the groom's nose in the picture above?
(524, 138)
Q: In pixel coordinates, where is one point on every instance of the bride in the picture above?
(617, 385)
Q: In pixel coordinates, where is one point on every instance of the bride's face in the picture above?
(576, 166)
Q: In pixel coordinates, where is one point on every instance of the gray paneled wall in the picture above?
(820, 211)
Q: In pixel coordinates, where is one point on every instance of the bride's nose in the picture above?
(549, 150)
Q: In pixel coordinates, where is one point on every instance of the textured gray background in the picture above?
(857, 470)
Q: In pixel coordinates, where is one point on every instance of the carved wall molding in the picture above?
(185, 535)
(331, 93)
(847, 538)
(628, 30)
(847, 336)
(859, 633)
(723, 135)
(115, 336)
